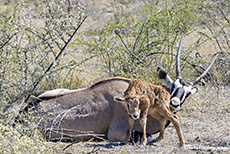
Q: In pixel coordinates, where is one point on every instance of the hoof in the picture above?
(181, 145)
(149, 139)
(143, 144)
(123, 143)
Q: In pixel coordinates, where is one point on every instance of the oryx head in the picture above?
(179, 89)
(132, 103)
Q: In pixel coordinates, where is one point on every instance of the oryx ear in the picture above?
(163, 76)
(194, 90)
(118, 99)
(139, 96)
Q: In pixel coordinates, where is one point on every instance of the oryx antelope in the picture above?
(85, 112)
(142, 98)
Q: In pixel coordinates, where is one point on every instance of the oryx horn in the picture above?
(178, 73)
(205, 72)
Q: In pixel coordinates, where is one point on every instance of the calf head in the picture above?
(132, 103)
(179, 89)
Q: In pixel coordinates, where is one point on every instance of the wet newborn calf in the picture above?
(144, 98)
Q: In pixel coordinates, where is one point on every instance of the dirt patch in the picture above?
(205, 122)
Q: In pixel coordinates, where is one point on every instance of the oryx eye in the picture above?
(182, 82)
(128, 105)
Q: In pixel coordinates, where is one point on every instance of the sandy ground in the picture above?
(205, 122)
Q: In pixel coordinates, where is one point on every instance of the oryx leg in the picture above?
(162, 127)
(128, 135)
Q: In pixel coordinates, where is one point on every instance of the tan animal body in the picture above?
(142, 98)
(86, 113)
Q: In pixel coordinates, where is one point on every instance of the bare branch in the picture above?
(75, 63)
(8, 40)
(44, 40)
(154, 53)
(116, 31)
(222, 12)
(141, 30)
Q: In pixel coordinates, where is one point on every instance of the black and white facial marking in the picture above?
(179, 90)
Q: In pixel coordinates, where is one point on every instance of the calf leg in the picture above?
(143, 122)
(162, 126)
(143, 125)
(164, 111)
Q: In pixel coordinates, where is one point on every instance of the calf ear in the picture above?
(163, 76)
(118, 99)
(141, 95)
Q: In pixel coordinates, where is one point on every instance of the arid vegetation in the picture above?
(72, 44)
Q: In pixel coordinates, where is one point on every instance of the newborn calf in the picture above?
(144, 98)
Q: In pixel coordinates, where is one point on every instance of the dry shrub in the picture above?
(30, 42)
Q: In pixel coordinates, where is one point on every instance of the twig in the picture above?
(75, 63)
(153, 53)
(116, 31)
(62, 115)
(138, 36)
(76, 141)
(94, 149)
(222, 12)
(70, 145)
(79, 135)
(8, 40)
(43, 39)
